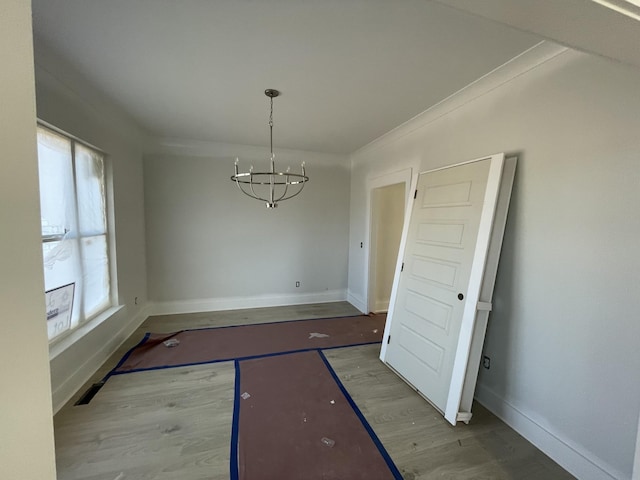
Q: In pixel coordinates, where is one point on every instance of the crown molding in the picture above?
(168, 146)
(528, 60)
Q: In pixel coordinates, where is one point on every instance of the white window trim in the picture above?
(61, 343)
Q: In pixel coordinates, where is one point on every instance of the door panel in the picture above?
(438, 256)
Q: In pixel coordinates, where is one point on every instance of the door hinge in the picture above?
(402, 267)
(484, 306)
(415, 194)
(388, 339)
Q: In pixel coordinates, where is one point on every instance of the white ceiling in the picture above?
(349, 70)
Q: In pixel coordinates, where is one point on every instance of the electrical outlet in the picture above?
(297, 284)
(486, 362)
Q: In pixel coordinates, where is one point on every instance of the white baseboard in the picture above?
(234, 303)
(575, 460)
(382, 305)
(63, 392)
(357, 301)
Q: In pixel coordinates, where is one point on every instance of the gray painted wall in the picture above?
(207, 242)
(563, 336)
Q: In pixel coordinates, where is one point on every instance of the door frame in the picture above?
(384, 180)
(636, 463)
(473, 304)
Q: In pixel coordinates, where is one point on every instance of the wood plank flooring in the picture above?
(176, 423)
(421, 443)
(163, 424)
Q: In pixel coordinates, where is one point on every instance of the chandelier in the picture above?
(270, 187)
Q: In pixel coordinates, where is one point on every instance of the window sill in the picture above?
(58, 346)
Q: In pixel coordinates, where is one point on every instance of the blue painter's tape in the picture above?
(162, 367)
(208, 362)
(365, 424)
(233, 459)
(126, 356)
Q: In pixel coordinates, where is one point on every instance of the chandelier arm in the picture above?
(239, 184)
(249, 194)
(300, 184)
(235, 178)
(286, 187)
(272, 182)
(253, 192)
(294, 194)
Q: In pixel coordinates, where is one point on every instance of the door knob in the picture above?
(460, 296)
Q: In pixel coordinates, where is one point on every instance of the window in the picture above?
(74, 229)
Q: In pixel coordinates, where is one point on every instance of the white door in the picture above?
(436, 283)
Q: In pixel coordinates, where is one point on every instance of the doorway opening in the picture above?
(387, 219)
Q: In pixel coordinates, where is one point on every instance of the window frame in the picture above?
(109, 233)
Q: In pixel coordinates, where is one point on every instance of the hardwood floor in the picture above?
(422, 444)
(176, 423)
